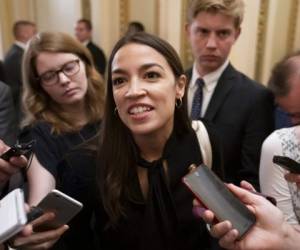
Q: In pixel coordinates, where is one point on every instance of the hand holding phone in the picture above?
(287, 163)
(64, 207)
(17, 150)
(214, 194)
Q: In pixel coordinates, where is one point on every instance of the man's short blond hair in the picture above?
(232, 8)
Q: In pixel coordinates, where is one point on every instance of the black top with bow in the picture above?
(163, 220)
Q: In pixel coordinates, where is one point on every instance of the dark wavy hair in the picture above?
(116, 155)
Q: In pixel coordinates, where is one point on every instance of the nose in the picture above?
(135, 88)
(62, 78)
(211, 42)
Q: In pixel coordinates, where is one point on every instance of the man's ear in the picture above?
(238, 31)
(180, 86)
(187, 28)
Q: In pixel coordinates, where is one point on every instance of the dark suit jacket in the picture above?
(13, 75)
(2, 73)
(7, 115)
(242, 111)
(98, 57)
(8, 133)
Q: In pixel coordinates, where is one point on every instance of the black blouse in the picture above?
(57, 153)
(152, 228)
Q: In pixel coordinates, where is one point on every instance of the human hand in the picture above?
(9, 168)
(199, 209)
(293, 178)
(33, 240)
(267, 233)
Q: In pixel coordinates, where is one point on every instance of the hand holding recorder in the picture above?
(269, 232)
(214, 194)
(9, 165)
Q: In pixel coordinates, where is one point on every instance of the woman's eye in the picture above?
(152, 75)
(118, 81)
(48, 76)
(69, 67)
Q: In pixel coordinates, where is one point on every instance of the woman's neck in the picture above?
(78, 114)
(151, 147)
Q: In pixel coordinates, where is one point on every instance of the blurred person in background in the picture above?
(23, 30)
(83, 32)
(285, 85)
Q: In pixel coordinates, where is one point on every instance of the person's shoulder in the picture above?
(38, 127)
(13, 51)
(91, 44)
(278, 135)
(5, 93)
(188, 72)
(248, 84)
(4, 88)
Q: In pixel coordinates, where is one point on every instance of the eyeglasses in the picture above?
(51, 77)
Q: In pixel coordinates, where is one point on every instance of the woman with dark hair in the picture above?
(147, 146)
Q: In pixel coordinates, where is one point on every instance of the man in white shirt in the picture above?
(240, 108)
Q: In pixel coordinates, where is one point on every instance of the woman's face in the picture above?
(63, 77)
(145, 90)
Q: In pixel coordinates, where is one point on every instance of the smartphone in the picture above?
(64, 207)
(12, 214)
(214, 194)
(287, 163)
(17, 150)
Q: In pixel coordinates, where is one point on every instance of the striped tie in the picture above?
(197, 101)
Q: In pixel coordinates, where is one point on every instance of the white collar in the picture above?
(20, 44)
(85, 43)
(209, 78)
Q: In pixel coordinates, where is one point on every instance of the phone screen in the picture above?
(214, 194)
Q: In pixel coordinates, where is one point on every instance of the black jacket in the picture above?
(242, 112)
(98, 57)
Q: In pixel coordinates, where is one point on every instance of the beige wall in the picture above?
(105, 18)
(148, 18)
(243, 54)
(276, 36)
(171, 22)
(297, 31)
(11, 11)
(57, 15)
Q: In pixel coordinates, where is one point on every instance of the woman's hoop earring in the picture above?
(178, 103)
(116, 111)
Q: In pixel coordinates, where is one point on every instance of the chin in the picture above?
(141, 130)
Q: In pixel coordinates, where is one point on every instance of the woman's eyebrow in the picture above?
(143, 67)
(118, 71)
(149, 65)
(59, 66)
